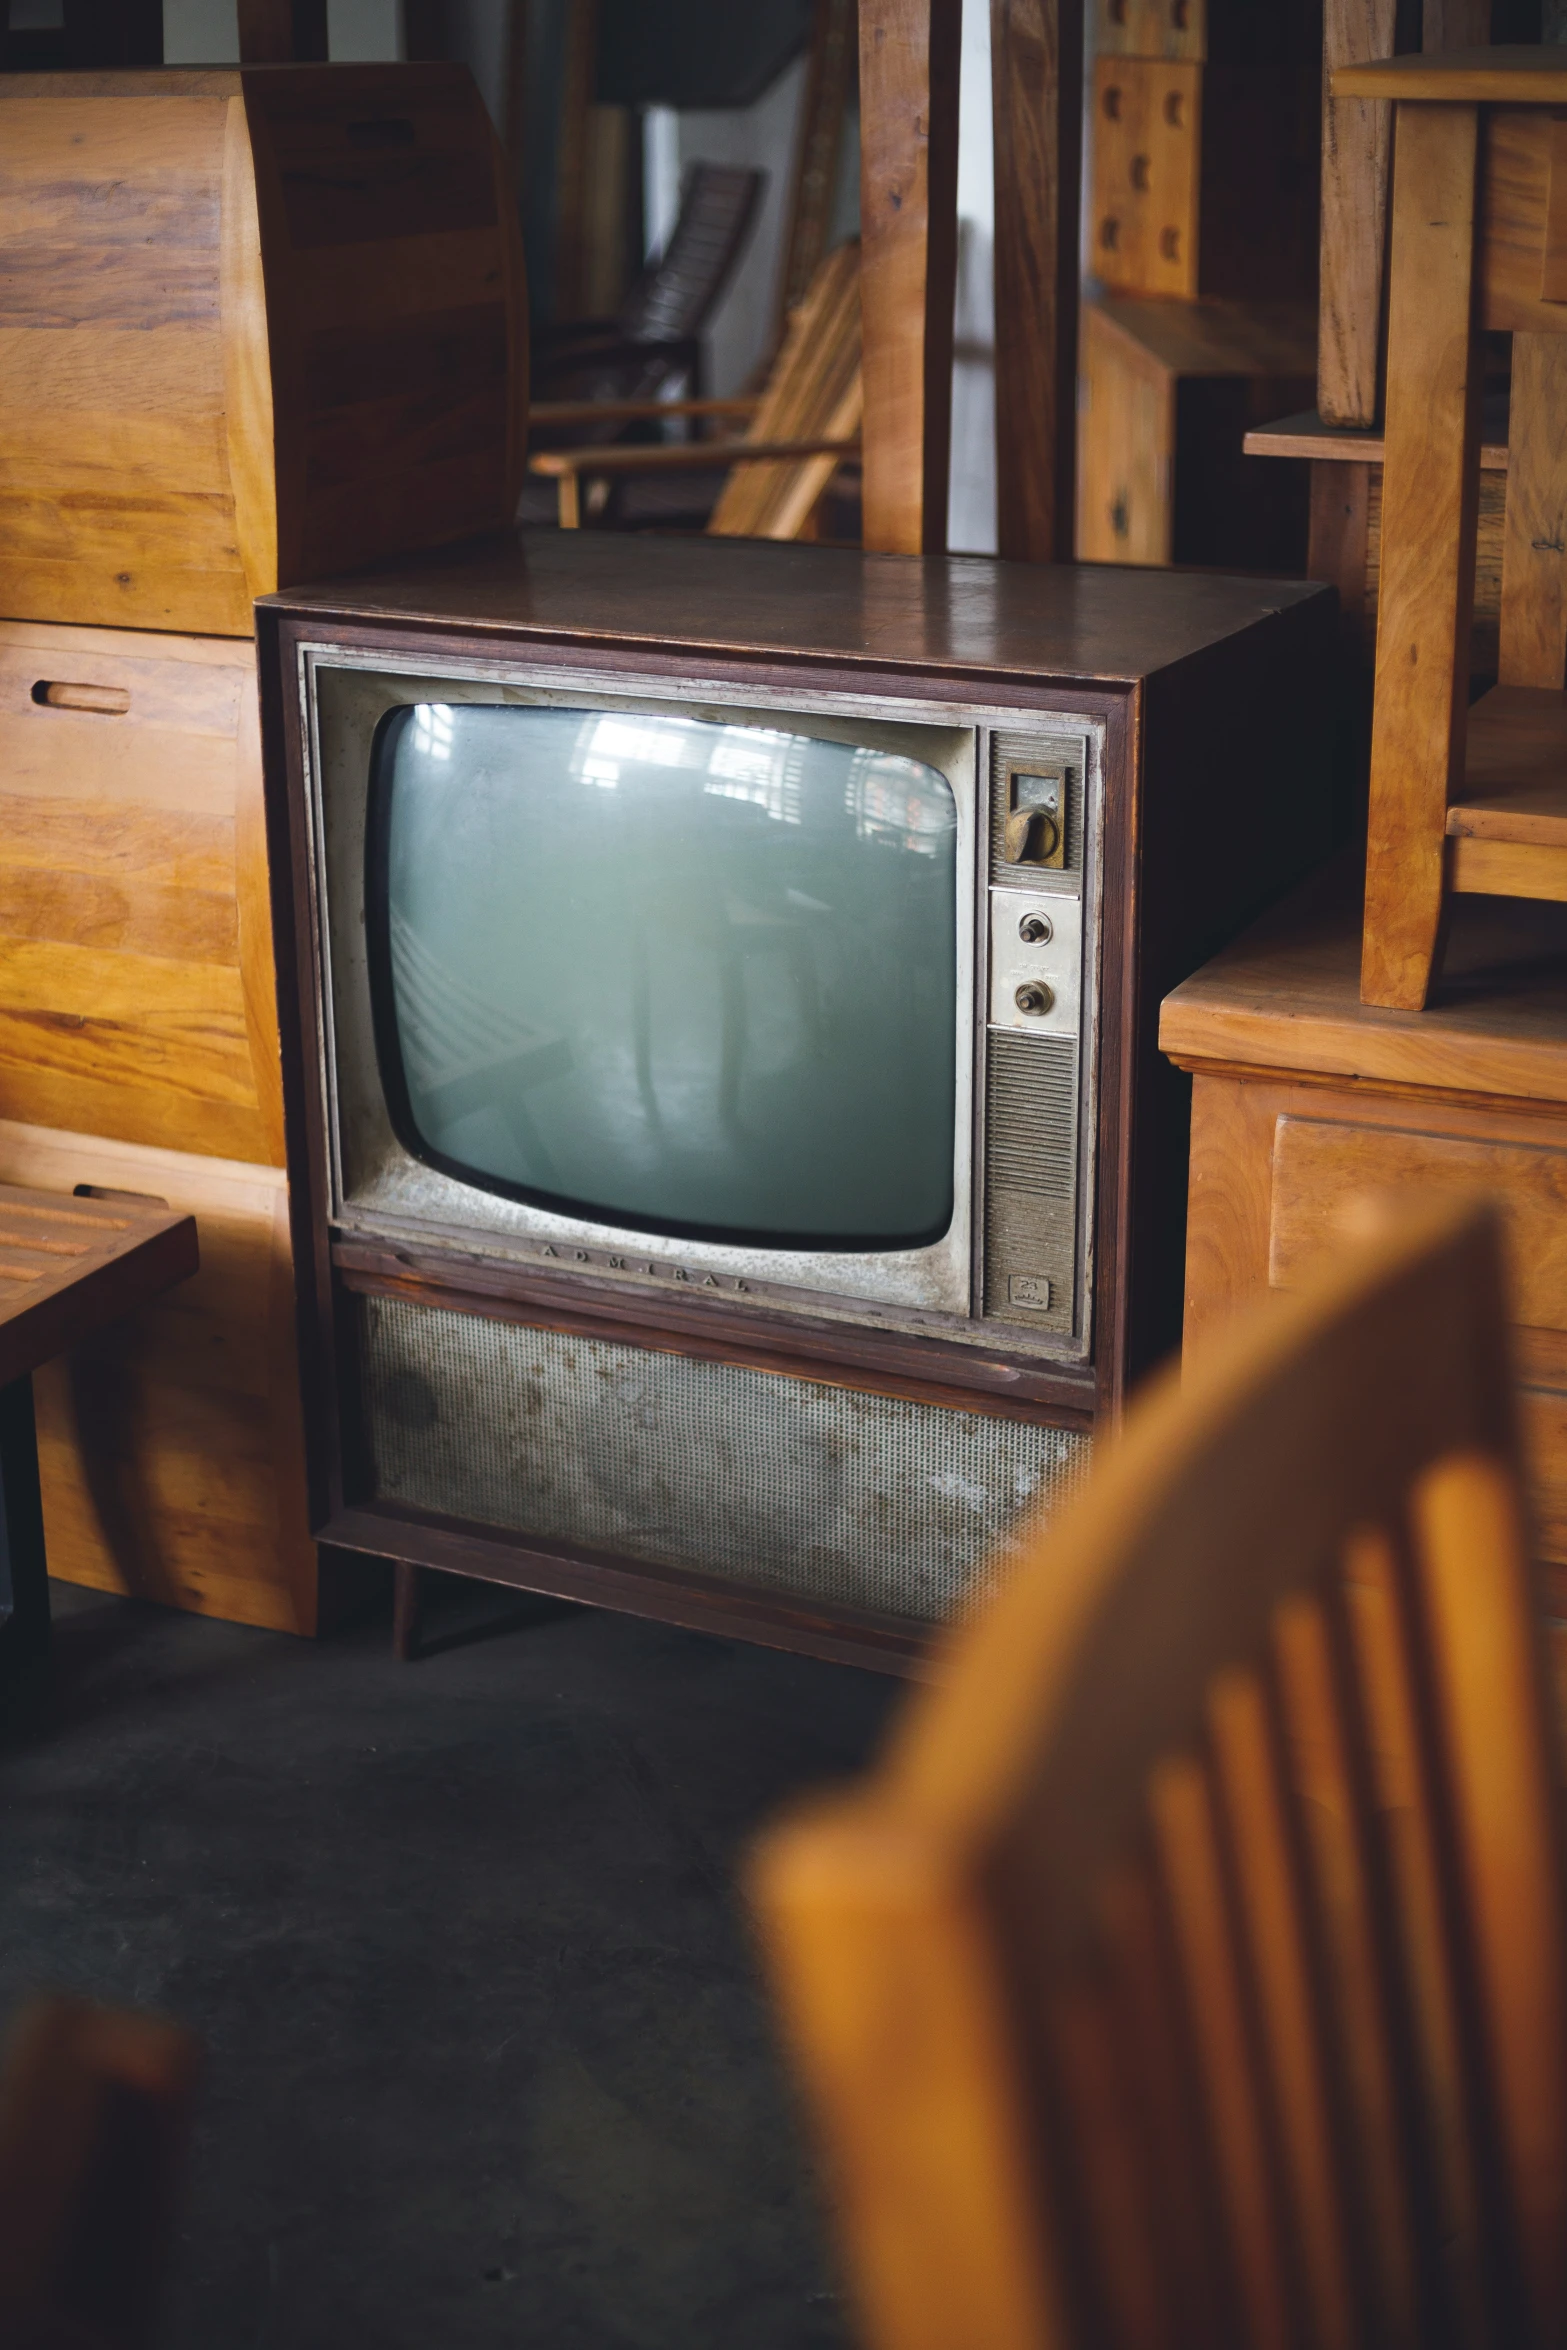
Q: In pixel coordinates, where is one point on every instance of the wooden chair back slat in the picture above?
(814, 393)
(1229, 1854)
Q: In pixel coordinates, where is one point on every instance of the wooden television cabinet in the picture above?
(791, 1459)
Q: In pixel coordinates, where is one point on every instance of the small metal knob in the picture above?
(1034, 997)
(1036, 930)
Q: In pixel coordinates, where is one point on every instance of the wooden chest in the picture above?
(256, 326)
(1305, 1099)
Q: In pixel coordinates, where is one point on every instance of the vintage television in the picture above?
(732, 1168)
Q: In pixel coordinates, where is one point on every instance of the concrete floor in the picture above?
(488, 2057)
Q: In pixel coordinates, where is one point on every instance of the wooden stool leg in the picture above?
(405, 1610)
(24, 1581)
(1430, 488)
(1534, 546)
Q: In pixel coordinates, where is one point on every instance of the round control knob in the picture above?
(1034, 997)
(1036, 930)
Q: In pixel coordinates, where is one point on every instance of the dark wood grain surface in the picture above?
(964, 614)
(69, 1265)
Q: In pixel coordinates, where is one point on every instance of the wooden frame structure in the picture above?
(1459, 800)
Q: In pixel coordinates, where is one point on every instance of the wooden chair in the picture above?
(801, 429)
(1460, 799)
(1192, 1969)
(95, 2108)
(657, 331)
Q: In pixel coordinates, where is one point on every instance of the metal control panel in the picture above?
(1036, 963)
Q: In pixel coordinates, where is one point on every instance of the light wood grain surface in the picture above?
(136, 987)
(254, 327)
(1429, 490)
(909, 53)
(1244, 1783)
(1357, 146)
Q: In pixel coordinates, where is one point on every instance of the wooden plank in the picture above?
(1336, 550)
(1518, 148)
(1307, 436)
(1036, 58)
(1126, 447)
(172, 1447)
(1553, 268)
(69, 1265)
(1429, 492)
(909, 51)
(1507, 869)
(1509, 75)
(1321, 1164)
(1285, 998)
(1451, 24)
(1357, 144)
(1147, 176)
(1534, 553)
(1515, 772)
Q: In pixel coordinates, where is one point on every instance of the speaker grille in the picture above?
(1069, 752)
(1031, 1180)
(864, 1500)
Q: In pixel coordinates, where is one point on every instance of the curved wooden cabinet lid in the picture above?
(262, 325)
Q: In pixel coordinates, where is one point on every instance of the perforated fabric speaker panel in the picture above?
(864, 1501)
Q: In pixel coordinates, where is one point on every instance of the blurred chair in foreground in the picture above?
(94, 2113)
(1192, 1969)
(802, 428)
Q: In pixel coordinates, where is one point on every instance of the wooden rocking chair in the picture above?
(801, 429)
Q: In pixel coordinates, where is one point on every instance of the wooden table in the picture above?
(67, 1265)
(1304, 1098)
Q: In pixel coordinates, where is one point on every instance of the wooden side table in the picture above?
(67, 1266)
(1305, 1098)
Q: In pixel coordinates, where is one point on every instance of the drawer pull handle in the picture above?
(110, 701)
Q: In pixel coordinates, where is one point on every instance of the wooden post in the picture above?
(909, 52)
(1356, 149)
(1534, 541)
(282, 32)
(1036, 63)
(1430, 484)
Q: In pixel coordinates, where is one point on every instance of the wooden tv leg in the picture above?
(1430, 486)
(405, 1610)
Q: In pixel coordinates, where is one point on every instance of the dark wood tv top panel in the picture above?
(962, 615)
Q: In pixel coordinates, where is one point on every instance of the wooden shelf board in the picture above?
(1286, 996)
(1307, 436)
(1515, 773)
(1508, 75)
(1216, 338)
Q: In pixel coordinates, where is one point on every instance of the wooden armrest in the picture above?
(566, 467)
(625, 411)
(680, 456)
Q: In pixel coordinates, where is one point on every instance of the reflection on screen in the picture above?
(668, 973)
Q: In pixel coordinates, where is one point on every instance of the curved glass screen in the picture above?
(668, 974)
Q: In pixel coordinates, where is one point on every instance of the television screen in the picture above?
(677, 975)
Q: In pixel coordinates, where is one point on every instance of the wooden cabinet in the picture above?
(1305, 1101)
(260, 326)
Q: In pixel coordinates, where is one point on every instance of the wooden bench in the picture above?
(67, 1266)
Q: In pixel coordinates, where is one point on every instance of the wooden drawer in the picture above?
(136, 984)
(171, 1445)
(1320, 1165)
